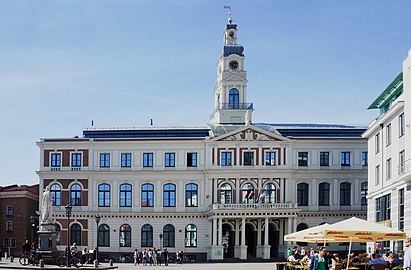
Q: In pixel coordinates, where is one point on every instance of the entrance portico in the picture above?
(253, 232)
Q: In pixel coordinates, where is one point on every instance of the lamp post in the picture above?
(68, 214)
(33, 223)
(161, 241)
(98, 218)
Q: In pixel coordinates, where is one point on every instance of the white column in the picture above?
(237, 232)
(243, 231)
(266, 231)
(215, 199)
(237, 190)
(259, 232)
(214, 243)
(220, 231)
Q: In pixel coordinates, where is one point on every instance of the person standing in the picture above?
(135, 257)
(26, 248)
(320, 261)
(165, 256)
(407, 254)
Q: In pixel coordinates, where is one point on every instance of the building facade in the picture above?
(389, 141)
(230, 189)
(18, 218)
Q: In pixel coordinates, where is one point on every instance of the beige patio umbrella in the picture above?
(307, 235)
(358, 230)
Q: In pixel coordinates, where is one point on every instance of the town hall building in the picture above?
(230, 189)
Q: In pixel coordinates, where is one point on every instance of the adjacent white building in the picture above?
(389, 144)
(229, 189)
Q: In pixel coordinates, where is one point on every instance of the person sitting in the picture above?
(376, 261)
(292, 259)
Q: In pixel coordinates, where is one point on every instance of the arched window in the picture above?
(270, 194)
(125, 235)
(191, 195)
(125, 195)
(324, 194)
(191, 236)
(364, 192)
(302, 194)
(147, 195)
(104, 195)
(169, 195)
(75, 234)
(75, 195)
(169, 236)
(300, 227)
(58, 231)
(55, 191)
(104, 235)
(248, 193)
(147, 236)
(345, 193)
(226, 193)
(234, 99)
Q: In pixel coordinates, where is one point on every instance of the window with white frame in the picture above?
(270, 158)
(401, 167)
(377, 143)
(248, 158)
(388, 134)
(389, 165)
(75, 159)
(55, 160)
(401, 125)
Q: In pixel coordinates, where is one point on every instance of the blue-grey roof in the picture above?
(233, 49)
(149, 132)
(315, 130)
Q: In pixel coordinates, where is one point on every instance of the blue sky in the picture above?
(122, 62)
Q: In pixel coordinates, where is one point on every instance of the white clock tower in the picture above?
(230, 89)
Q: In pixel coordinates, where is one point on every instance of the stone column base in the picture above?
(215, 253)
(240, 252)
(266, 252)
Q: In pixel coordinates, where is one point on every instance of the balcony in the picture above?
(253, 206)
(234, 106)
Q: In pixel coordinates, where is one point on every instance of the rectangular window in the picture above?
(55, 160)
(13, 242)
(248, 158)
(191, 159)
(6, 243)
(388, 134)
(104, 160)
(75, 159)
(324, 158)
(270, 158)
(170, 159)
(126, 160)
(401, 206)
(377, 175)
(9, 227)
(9, 210)
(401, 125)
(225, 158)
(148, 159)
(389, 168)
(377, 143)
(401, 166)
(383, 208)
(364, 158)
(302, 158)
(345, 158)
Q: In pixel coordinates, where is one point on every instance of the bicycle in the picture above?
(28, 259)
(62, 261)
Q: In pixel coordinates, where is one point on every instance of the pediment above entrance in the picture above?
(250, 133)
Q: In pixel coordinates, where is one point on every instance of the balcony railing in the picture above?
(234, 106)
(253, 206)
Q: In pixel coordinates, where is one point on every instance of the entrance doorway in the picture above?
(228, 241)
(250, 240)
(273, 240)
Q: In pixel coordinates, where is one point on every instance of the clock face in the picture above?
(233, 64)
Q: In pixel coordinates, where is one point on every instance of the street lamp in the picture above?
(98, 218)
(33, 224)
(161, 241)
(68, 214)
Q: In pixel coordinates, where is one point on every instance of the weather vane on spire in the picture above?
(230, 20)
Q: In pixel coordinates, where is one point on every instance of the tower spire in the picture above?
(230, 20)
